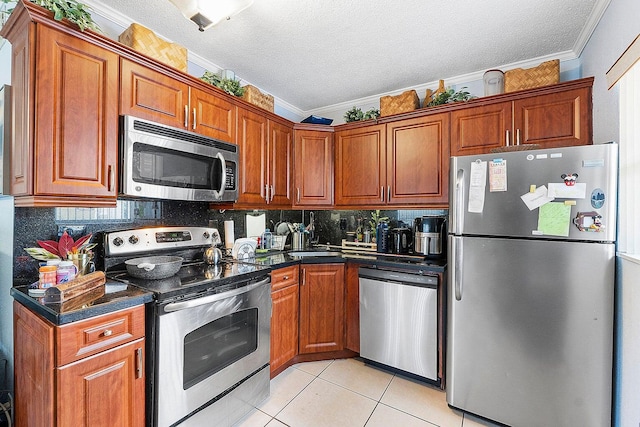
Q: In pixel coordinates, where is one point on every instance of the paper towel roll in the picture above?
(228, 234)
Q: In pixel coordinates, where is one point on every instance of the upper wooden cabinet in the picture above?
(149, 94)
(360, 166)
(65, 91)
(265, 161)
(402, 163)
(553, 116)
(418, 161)
(313, 168)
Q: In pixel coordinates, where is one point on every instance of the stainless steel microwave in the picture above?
(162, 162)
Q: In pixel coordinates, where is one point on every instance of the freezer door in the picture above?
(504, 213)
(530, 331)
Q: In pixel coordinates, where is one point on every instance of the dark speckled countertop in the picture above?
(116, 296)
(284, 259)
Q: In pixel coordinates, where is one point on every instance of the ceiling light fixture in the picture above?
(207, 13)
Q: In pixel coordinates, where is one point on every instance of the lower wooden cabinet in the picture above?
(284, 316)
(89, 372)
(322, 294)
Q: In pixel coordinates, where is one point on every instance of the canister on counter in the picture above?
(66, 272)
(47, 276)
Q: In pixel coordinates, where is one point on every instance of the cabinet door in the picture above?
(33, 365)
(313, 168)
(279, 165)
(212, 116)
(360, 166)
(477, 130)
(252, 139)
(554, 120)
(76, 133)
(103, 390)
(284, 326)
(418, 160)
(352, 308)
(321, 308)
(151, 95)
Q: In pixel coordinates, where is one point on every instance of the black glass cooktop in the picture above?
(195, 278)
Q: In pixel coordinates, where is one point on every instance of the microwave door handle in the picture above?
(183, 305)
(223, 181)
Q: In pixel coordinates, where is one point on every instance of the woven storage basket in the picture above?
(547, 73)
(523, 147)
(145, 41)
(406, 101)
(253, 95)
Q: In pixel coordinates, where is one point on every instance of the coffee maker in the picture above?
(430, 236)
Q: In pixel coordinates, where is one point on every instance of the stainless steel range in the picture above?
(208, 330)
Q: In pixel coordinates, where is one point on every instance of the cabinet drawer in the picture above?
(283, 277)
(77, 340)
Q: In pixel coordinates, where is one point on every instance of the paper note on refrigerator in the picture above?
(477, 186)
(554, 219)
(536, 199)
(497, 175)
(563, 191)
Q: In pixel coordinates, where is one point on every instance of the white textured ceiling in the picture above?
(316, 53)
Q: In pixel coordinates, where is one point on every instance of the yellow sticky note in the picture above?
(570, 202)
(532, 188)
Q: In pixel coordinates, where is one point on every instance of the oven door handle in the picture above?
(183, 305)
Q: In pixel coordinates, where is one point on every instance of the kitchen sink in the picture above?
(314, 253)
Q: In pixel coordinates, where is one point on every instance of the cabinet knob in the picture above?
(285, 277)
(107, 332)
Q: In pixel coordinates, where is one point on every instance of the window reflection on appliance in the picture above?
(218, 344)
(162, 166)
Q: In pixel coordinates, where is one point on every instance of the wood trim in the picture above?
(628, 59)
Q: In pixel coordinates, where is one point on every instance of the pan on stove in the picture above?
(154, 267)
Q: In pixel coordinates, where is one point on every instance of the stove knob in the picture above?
(133, 239)
(117, 241)
(205, 235)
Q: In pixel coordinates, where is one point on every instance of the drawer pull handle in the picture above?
(285, 278)
(139, 363)
(107, 332)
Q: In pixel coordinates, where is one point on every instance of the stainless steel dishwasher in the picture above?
(399, 321)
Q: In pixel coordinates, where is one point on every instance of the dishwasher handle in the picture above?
(398, 277)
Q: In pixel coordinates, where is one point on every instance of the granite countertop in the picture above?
(116, 296)
(280, 259)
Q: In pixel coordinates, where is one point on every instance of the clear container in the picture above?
(265, 241)
(47, 276)
(66, 272)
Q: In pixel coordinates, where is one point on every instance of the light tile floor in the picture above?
(348, 393)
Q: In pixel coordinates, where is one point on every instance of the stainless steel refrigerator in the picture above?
(531, 285)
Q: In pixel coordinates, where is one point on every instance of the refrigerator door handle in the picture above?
(459, 202)
(456, 268)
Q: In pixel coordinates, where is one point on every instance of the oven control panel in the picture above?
(159, 238)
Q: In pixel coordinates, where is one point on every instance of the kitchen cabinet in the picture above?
(265, 161)
(160, 97)
(89, 372)
(322, 294)
(360, 166)
(65, 144)
(553, 116)
(313, 168)
(352, 307)
(402, 163)
(284, 317)
(418, 161)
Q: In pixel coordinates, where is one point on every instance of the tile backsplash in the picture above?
(32, 224)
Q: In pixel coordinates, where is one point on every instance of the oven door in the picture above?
(166, 163)
(207, 345)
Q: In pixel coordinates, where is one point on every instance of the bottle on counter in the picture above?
(265, 239)
(382, 237)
